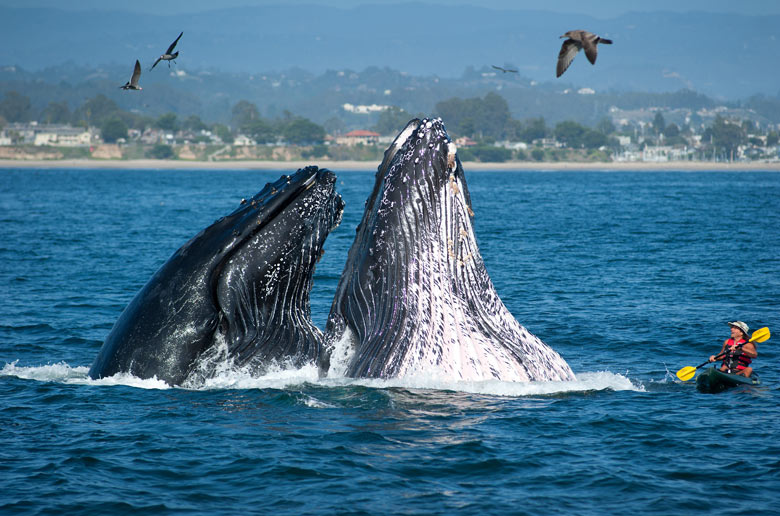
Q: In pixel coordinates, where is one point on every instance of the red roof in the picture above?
(361, 133)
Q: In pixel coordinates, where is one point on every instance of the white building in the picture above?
(63, 136)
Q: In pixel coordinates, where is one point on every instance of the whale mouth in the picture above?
(241, 286)
(261, 286)
(415, 297)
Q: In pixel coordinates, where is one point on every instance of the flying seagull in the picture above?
(168, 55)
(505, 70)
(578, 39)
(132, 84)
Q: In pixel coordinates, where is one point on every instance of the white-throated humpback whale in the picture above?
(415, 297)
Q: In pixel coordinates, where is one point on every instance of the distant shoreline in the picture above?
(153, 164)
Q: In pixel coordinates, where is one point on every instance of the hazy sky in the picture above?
(598, 8)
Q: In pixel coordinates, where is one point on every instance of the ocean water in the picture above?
(630, 276)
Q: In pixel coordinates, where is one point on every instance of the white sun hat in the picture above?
(742, 326)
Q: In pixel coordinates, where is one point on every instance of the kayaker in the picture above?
(738, 351)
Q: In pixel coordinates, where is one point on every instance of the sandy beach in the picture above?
(369, 165)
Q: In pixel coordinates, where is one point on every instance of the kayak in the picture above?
(713, 381)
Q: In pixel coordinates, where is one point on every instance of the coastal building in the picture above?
(64, 136)
(465, 141)
(364, 109)
(359, 136)
(243, 140)
(56, 135)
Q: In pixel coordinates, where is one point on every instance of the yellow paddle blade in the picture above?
(686, 373)
(760, 335)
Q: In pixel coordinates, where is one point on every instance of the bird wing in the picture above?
(155, 63)
(568, 51)
(589, 44)
(170, 48)
(136, 74)
(498, 68)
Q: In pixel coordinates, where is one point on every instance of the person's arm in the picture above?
(749, 349)
(722, 349)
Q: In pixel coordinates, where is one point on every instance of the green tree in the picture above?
(496, 110)
(659, 124)
(15, 107)
(594, 139)
(514, 130)
(727, 136)
(55, 113)
(537, 154)
(96, 110)
(260, 131)
(671, 131)
(571, 133)
(167, 122)
(302, 131)
(223, 132)
(244, 113)
(392, 120)
(490, 154)
(161, 151)
(113, 129)
(193, 123)
(475, 117)
(772, 138)
(335, 125)
(535, 129)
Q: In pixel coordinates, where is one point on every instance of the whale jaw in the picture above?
(415, 297)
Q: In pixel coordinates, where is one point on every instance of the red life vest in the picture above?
(736, 359)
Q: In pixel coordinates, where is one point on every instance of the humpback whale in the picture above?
(237, 291)
(415, 297)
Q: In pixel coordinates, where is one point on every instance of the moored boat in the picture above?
(713, 380)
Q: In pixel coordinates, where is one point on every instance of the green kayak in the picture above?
(713, 381)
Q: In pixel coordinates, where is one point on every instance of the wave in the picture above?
(293, 378)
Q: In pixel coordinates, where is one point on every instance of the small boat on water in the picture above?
(713, 380)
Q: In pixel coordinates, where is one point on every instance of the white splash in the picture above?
(280, 378)
(79, 375)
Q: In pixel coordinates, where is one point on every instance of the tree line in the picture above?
(486, 120)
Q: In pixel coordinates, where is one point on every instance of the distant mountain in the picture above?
(721, 55)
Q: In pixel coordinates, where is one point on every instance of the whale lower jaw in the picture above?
(462, 331)
(415, 297)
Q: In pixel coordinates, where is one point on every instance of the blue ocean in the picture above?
(630, 276)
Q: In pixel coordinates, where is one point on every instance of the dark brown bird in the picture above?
(577, 40)
(169, 54)
(505, 70)
(132, 84)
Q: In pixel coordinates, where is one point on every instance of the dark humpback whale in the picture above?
(415, 297)
(237, 291)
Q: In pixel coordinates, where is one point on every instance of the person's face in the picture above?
(736, 333)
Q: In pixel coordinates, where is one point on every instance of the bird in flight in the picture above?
(132, 84)
(578, 39)
(505, 70)
(169, 55)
